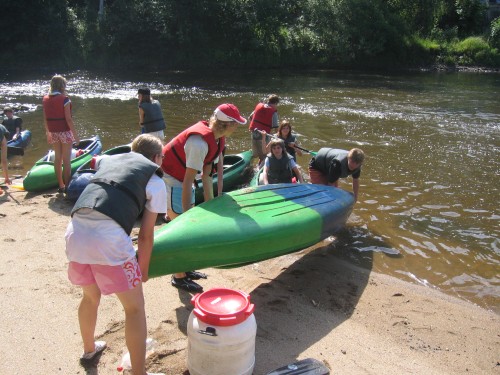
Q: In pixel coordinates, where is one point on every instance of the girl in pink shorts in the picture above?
(102, 258)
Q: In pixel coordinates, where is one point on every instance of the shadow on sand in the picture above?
(314, 295)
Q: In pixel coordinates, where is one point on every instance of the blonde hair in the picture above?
(147, 145)
(356, 155)
(218, 125)
(57, 83)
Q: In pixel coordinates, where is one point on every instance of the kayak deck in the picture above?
(250, 225)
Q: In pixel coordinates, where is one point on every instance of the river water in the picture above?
(428, 208)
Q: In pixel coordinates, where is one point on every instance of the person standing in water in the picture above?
(263, 119)
(151, 118)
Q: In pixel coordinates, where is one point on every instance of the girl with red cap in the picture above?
(189, 153)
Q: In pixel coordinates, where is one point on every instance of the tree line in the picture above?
(173, 34)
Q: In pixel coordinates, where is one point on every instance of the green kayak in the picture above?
(249, 225)
(256, 177)
(235, 167)
(42, 175)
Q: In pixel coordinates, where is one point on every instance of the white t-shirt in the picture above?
(196, 150)
(94, 238)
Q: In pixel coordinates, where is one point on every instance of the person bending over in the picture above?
(330, 164)
(190, 152)
(102, 258)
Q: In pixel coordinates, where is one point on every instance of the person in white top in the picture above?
(193, 151)
(102, 258)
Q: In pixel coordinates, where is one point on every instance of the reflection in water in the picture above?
(428, 209)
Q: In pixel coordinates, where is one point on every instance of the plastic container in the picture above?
(125, 361)
(221, 333)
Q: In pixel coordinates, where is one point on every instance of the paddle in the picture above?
(300, 148)
(12, 150)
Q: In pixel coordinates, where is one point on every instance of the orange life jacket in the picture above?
(262, 118)
(53, 106)
(174, 161)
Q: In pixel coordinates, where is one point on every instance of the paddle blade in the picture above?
(18, 187)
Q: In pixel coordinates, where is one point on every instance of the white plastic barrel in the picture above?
(221, 333)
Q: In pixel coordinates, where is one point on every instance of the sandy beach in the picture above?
(307, 305)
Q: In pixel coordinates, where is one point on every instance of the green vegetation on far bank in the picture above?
(173, 34)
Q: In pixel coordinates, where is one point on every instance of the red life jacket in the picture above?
(53, 106)
(262, 118)
(174, 161)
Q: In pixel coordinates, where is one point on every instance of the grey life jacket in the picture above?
(153, 117)
(118, 188)
(326, 156)
(279, 169)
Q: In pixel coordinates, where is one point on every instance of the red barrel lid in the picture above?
(222, 307)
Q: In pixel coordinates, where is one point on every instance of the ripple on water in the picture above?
(475, 211)
(439, 220)
(379, 249)
(473, 232)
(385, 208)
(415, 193)
(434, 206)
(454, 249)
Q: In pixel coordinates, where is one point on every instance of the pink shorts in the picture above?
(109, 279)
(61, 137)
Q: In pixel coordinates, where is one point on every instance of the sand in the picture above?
(307, 305)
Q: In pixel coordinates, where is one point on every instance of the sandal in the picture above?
(89, 357)
(195, 275)
(186, 284)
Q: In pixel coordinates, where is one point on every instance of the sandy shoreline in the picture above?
(308, 304)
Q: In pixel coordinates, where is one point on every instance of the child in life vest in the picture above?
(279, 166)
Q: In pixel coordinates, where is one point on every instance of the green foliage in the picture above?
(494, 38)
(417, 15)
(43, 32)
(475, 51)
(163, 34)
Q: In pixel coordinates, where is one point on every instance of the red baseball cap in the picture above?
(229, 112)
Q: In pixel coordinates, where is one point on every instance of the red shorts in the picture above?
(109, 279)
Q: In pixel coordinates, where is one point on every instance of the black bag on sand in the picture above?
(308, 366)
